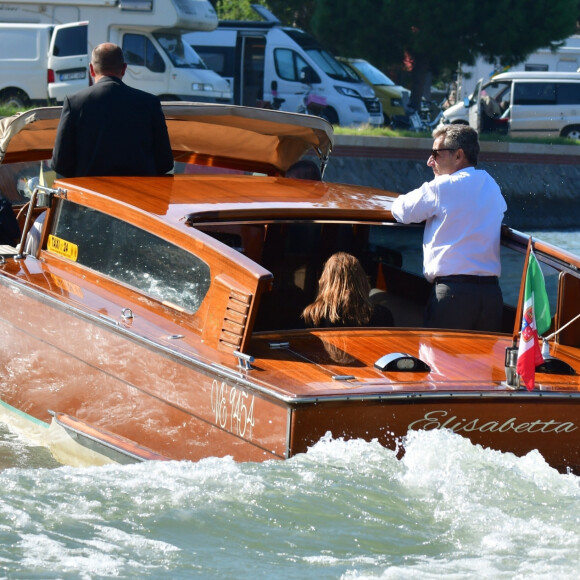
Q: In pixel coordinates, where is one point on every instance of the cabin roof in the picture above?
(213, 198)
(244, 138)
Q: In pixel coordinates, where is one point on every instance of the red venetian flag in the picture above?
(535, 321)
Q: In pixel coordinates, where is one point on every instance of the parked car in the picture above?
(524, 104)
(394, 98)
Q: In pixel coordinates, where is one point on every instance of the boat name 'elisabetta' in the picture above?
(443, 420)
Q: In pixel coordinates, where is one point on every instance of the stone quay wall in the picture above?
(541, 183)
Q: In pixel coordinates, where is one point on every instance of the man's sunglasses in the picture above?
(435, 152)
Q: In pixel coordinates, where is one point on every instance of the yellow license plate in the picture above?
(62, 248)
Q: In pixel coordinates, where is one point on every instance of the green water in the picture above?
(343, 510)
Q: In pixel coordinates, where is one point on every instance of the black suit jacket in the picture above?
(112, 129)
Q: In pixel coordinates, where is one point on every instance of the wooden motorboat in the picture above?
(159, 318)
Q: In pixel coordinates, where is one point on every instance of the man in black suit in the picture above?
(111, 128)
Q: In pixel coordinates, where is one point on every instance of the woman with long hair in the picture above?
(343, 297)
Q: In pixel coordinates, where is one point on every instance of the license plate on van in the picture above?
(72, 75)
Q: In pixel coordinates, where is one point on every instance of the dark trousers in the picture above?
(465, 302)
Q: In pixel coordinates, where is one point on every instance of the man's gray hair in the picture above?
(460, 137)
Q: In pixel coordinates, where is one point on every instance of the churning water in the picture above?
(348, 510)
(343, 510)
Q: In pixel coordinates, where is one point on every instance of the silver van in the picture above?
(524, 104)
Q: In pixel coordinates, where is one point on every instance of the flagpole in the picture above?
(520, 309)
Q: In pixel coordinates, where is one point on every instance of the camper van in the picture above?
(150, 33)
(41, 63)
(525, 104)
(279, 67)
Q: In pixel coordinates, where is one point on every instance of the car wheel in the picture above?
(572, 132)
(330, 115)
(14, 100)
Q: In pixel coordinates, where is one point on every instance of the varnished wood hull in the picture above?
(510, 422)
(178, 408)
(129, 387)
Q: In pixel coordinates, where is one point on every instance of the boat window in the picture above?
(392, 257)
(14, 180)
(295, 253)
(130, 255)
(398, 246)
(512, 266)
(306, 246)
(387, 242)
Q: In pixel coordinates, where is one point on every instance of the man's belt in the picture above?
(466, 279)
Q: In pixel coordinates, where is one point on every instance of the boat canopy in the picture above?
(245, 138)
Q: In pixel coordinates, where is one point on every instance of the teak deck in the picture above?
(160, 317)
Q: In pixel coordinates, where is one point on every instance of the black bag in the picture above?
(9, 228)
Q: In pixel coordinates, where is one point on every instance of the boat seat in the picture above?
(281, 308)
(406, 294)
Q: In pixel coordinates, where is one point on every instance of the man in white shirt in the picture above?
(463, 209)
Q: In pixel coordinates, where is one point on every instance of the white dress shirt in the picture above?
(463, 212)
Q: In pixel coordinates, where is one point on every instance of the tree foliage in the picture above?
(296, 13)
(237, 9)
(433, 37)
(290, 12)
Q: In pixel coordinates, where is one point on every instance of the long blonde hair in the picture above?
(343, 294)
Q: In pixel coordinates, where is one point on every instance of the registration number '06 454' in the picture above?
(233, 409)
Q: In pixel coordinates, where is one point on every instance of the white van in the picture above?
(150, 34)
(268, 64)
(40, 63)
(524, 104)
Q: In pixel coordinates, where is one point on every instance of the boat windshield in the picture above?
(180, 53)
(130, 255)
